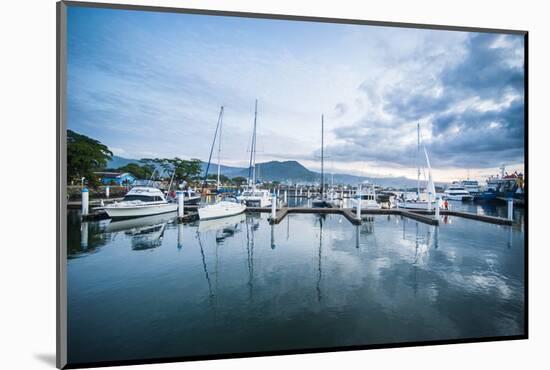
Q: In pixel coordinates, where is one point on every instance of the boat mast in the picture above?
(418, 160)
(212, 150)
(220, 148)
(252, 165)
(322, 156)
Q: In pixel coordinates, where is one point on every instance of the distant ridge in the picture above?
(287, 171)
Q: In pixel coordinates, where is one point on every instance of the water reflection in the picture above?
(241, 284)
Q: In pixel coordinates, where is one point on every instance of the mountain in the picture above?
(289, 172)
(117, 162)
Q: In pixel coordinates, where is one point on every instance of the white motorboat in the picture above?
(428, 199)
(255, 197)
(140, 201)
(455, 192)
(223, 208)
(366, 200)
(471, 186)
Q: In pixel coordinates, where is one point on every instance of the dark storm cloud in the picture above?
(474, 106)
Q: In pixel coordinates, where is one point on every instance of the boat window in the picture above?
(143, 198)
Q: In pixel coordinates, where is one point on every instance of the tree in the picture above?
(223, 178)
(139, 172)
(239, 180)
(84, 156)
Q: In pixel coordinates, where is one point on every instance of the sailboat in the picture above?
(426, 200)
(224, 206)
(252, 196)
(321, 201)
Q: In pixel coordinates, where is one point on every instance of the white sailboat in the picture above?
(426, 200)
(321, 201)
(252, 196)
(224, 206)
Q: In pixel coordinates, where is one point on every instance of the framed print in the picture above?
(236, 184)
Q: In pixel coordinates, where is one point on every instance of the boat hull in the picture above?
(462, 198)
(140, 211)
(221, 209)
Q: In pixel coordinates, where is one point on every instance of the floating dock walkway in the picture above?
(350, 214)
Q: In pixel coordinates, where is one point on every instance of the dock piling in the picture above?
(359, 205)
(273, 206)
(510, 209)
(285, 197)
(107, 191)
(181, 205)
(437, 211)
(85, 201)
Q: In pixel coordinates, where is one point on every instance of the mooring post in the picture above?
(510, 209)
(181, 204)
(278, 191)
(273, 206)
(85, 201)
(300, 191)
(359, 204)
(308, 193)
(437, 210)
(285, 197)
(107, 191)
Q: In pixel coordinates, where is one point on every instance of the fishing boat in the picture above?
(252, 196)
(321, 201)
(428, 199)
(140, 201)
(225, 205)
(366, 200)
(456, 192)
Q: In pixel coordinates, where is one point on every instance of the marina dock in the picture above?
(349, 213)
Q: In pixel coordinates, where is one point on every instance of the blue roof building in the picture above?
(118, 178)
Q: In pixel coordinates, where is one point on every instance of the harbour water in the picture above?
(150, 287)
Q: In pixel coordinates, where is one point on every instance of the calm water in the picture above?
(149, 287)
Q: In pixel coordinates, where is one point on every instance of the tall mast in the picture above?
(252, 165)
(211, 150)
(220, 148)
(418, 160)
(322, 155)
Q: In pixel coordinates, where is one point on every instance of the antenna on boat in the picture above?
(212, 150)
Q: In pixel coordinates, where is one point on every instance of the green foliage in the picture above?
(184, 170)
(139, 172)
(84, 156)
(223, 179)
(239, 180)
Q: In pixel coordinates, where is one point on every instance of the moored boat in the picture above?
(456, 192)
(229, 206)
(140, 201)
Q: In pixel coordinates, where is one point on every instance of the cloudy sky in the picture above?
(151, 85)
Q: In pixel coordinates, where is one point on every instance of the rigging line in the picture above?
(212, 149)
